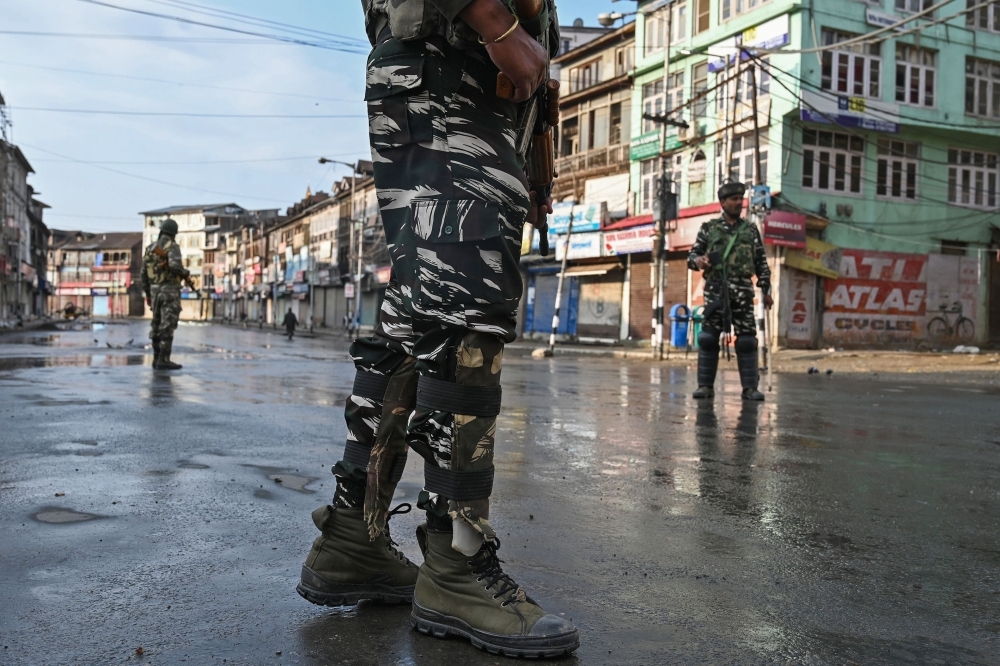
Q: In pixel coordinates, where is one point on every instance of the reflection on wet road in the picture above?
(847, 520)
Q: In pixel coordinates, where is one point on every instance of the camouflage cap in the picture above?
(729, 189)
(169, 227)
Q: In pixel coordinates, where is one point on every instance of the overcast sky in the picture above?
(97, 171)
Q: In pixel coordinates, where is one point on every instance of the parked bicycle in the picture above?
(940, 328)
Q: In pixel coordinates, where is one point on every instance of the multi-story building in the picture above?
(877, 142)
(96, 273)
(592, 148)
(201, 229)
(23, 237)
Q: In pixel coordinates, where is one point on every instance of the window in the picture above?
(699, 84)
(897, 169)
(915, 77)
(983, 18)
(914, 5)
(623, 60)
(743, 160)
(732, 8)
(652, 104)
(702, 17)
(675, 94)
(615, 125)
(655, 32)
(565, 45)
(855, 70)
(982, 88)
(744, 86)
(972, 178)
(569, 143)
(649, 171)
(678, 22)
(584, 76)
(831, 161)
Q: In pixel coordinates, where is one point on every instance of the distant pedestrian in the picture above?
(290, 322)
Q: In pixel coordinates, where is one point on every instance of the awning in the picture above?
(629, 222)
(592, 269)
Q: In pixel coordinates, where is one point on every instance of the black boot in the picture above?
(708, 363)
(746, 361)
(165, 362)
(156, 353)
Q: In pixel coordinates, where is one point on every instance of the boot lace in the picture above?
(486, 565)
(391, 545)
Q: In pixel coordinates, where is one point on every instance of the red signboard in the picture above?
(785, 229)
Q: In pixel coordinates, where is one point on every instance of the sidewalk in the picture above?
(791, 361)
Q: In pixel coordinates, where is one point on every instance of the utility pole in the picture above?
(758, 179)
(664, 209)
(562, 280)
(357, 284)
(6, 177)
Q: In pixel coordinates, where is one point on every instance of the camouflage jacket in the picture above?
(746, 259)
(162, 265)
(419, 19)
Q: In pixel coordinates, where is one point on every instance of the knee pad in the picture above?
(746, 344)
(708, 340)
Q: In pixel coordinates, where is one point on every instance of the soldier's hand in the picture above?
(518, 56)
(702, 262)
(768, 301)
(537, 212)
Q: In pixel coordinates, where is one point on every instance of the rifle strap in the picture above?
(729, 248)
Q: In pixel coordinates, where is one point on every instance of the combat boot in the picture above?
(156, 353)
(345, 565)
(165, 363)
(746, 362)
(471, 597)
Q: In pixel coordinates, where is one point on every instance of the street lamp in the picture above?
(356, 170)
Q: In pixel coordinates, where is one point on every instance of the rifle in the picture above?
(536, 118)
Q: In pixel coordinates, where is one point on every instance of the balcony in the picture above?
(609, 158)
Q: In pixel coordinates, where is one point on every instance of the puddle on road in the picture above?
(260, 493)
(53, 515)
(187, 464)
(74, 361)
(290, 480)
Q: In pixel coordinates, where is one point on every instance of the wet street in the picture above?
(847, 520)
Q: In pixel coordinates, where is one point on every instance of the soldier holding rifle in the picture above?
(730, 251)
(163, 273)
(459, 110)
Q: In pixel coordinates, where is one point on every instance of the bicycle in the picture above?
(940, 329)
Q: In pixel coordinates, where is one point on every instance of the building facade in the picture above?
(883, 147)
(96, 273)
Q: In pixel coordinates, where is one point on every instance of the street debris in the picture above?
(965, 349)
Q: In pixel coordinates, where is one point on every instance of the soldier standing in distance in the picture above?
(163, 273)
(730, 251)
(454, 200)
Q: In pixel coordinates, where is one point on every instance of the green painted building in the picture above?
(887, 145)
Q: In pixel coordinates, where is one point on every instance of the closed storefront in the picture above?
(542, 285)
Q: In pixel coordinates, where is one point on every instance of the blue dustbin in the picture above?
(698, 316)
(680, 315)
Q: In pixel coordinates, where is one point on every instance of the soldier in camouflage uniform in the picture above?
(730, 251)
(454, 200)
(163, 273)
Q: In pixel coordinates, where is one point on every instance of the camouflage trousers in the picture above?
(453, 202)
(166, 314)
(740, 305)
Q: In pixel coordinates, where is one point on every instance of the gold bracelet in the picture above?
(505, 35)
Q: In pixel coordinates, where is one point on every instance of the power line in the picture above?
(181, 114)
(145, 38)
(885, 115)
(867, 38)
(252, 20)
(198, 162)
(332, 45)
(176, 83)
(151, 180)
